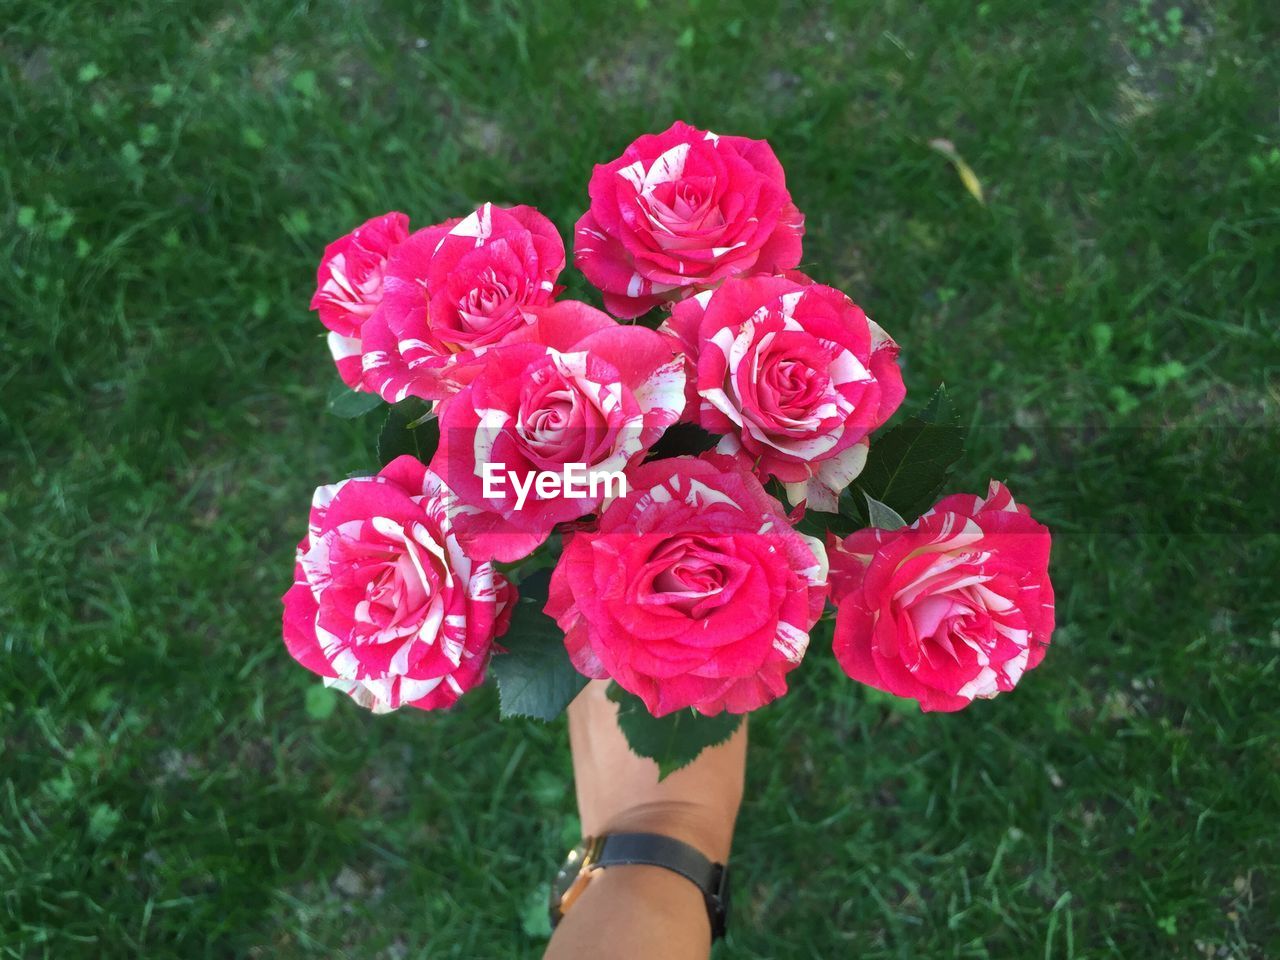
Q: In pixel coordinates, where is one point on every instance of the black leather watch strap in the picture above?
(655, 850)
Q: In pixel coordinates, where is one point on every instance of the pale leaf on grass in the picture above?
(967, 176)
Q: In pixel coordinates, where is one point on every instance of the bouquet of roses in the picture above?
(668, 494)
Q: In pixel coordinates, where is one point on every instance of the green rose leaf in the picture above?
(909, 465)
(410, 428)
(535, 678)
(682, 439)
(535, 586)
(349, 404)
(672, 741)
(819, 523)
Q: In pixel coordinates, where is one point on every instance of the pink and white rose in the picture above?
(454, 290)
(572, 387)
(385, 604)
(793, 374)
(958, 605)
(692, 591)
(680, 211)
(349, 285)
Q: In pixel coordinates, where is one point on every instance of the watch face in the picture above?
(574, 876)
(569, 871)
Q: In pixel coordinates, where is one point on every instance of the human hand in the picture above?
(619, 792)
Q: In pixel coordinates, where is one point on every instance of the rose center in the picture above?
(554, 421)
(548, 421)
(393, 598)
(366, 291)
(683, 209)
(949, 627)
(692, 576)
(491, 297)
(688, 200)
(797, 386)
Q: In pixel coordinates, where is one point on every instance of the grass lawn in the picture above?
(171, 785)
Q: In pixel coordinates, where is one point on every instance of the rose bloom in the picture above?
(349, 284)
(681, 210)
(453, 291)
(794, 375)
(957, 605)
(693, 590)
(575, 387)
(385, 605)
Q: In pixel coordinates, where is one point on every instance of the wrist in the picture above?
(658, 858)
(634, 903)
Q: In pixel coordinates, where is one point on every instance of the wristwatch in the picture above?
(597, 853)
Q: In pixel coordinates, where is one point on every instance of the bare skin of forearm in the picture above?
(641, 912)
(634, 913)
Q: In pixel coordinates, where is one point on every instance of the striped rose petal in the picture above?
(957, 606)
(793, 374)
(385, 605)
(573, 387)
(692, 591)
(349, 287)
(453, 291)
(681, 210)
